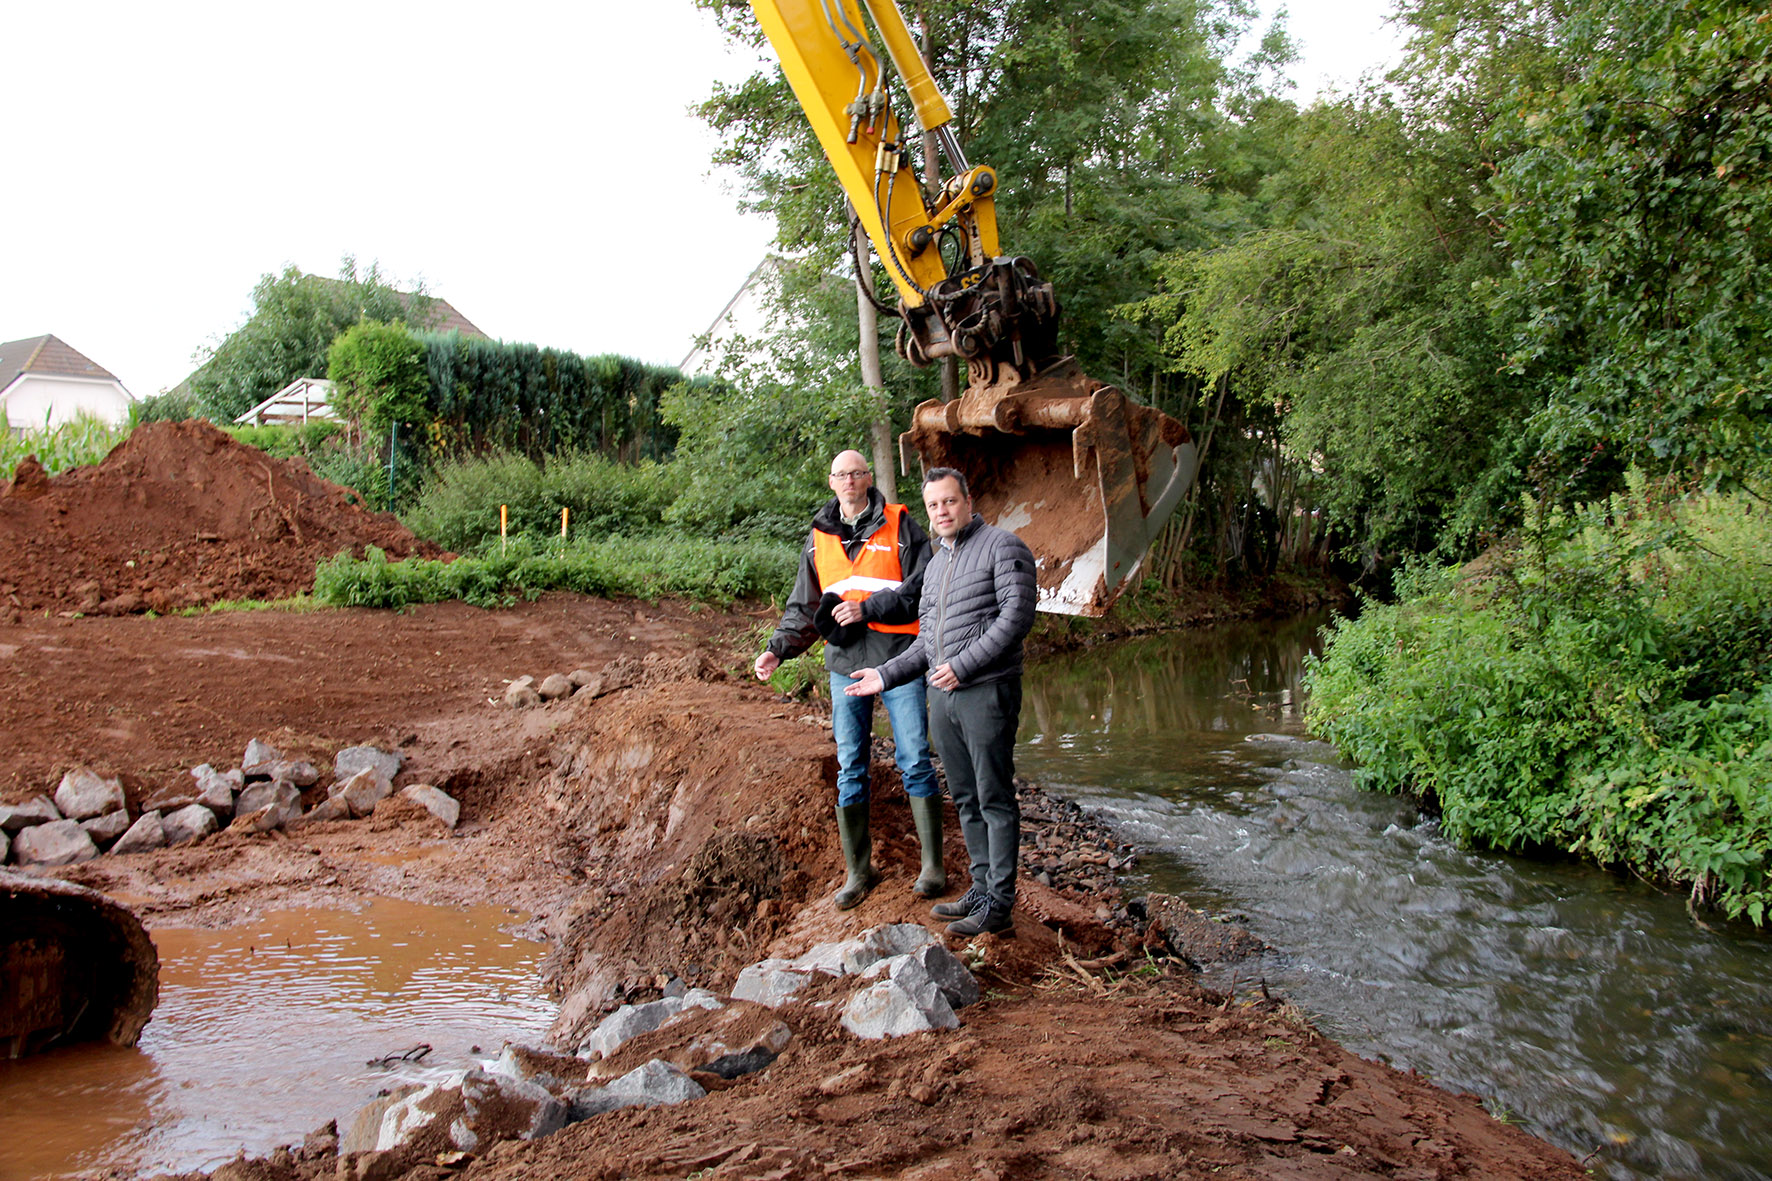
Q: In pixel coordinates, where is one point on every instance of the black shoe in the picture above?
(987, 918)
(959, 907)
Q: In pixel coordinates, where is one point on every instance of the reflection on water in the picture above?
(1585, 1006)
(263, 1033)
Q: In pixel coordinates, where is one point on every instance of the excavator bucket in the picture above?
(1085, 476)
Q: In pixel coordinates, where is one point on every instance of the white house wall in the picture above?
(33, 396)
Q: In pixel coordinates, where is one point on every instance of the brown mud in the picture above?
(178, 515)
(680, 825)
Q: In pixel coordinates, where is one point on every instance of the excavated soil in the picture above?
(679, 823)
(178, 515)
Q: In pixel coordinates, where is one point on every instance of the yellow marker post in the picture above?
(504, 525)
(563, 512)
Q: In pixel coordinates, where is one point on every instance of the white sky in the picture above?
(534, 164)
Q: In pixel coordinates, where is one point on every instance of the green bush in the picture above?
(458, 507)
(83, 441)
(1604, 687)
(287, 440)
(168, 406)
(717, 571)
(378, 375)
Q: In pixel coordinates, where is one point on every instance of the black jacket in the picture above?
(797, 632)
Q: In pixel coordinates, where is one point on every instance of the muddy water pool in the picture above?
(265, 1031)
(1584, 1006)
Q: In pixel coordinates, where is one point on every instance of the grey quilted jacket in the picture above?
(977, 607)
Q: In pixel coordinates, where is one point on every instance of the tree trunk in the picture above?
(880, 432)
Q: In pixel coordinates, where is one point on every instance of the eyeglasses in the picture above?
(850, 475)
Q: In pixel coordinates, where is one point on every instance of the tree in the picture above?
(294, 321)
(1638, 225)
(1104, 124)
(379, 374)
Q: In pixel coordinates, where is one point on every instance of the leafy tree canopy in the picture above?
(1638, 224)
(294, 321)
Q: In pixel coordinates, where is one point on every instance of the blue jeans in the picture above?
(852, 722)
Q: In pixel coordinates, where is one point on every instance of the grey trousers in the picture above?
(973, 730)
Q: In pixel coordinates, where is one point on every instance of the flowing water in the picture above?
(1587, 1007)
(266, 1031)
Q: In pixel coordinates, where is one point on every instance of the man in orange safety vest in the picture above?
(860, 579)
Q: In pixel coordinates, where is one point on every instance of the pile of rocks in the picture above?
(906, 982)
(89, 813)
(623, 672)
(1064, 847)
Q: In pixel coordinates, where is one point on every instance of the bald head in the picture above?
(850, 480)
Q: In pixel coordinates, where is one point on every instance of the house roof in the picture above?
(48, 355)
(443, 318)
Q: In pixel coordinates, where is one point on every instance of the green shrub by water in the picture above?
(717, 571)
(83, 441)
(458, 508)
(1604, 688)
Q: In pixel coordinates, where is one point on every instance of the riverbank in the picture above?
(1152, 612)
(675, 824)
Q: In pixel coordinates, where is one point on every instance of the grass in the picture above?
(718, 571)
(78, 443)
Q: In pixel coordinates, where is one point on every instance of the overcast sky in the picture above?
(534, 164)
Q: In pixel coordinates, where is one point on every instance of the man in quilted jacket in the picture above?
(976, 608)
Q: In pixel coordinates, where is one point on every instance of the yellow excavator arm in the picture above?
(1086, 476)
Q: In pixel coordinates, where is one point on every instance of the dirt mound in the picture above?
(178, 515)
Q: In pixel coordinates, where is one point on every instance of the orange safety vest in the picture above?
(875, 567)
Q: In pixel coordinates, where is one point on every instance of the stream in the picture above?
(1584, 1006)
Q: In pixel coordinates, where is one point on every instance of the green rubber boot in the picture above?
(933, 881)
(858, 847)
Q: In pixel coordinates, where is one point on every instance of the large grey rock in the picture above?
(215, 789)
(521, 694)
(83, 793)
(107, 828)
(296, 771)
(190, 823)
(890, 1009)
(362, 1131)
(266, 805)
(60, 842)
(554, 688)
(473, 1114)
(633, 1020)
(146, 833)
(955, 985)
(412, 1113)
(260, 760)
(770, 982)
(166, 800)
(736, 1043)
(436, 801)
(548, 1068)
(655, 1084)
(849, 956)
(950, 974)
(330, 808)
(503, 1108)
(353, 759)
(36, 810)
(362, 791)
